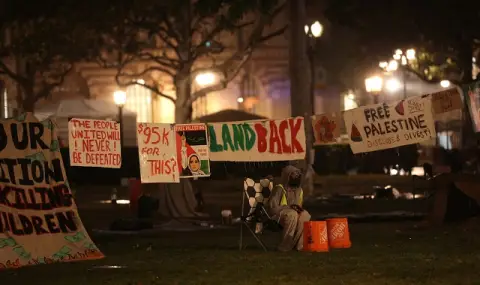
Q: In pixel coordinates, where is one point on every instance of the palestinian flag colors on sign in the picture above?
(192, 150)
(384, 126)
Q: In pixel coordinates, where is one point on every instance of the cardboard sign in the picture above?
(384, 126)
(157, 152)
(266, 140)
(327, 128)
(39, 222)
(446, 101)
(192, 150)
(94, 143)
(472, 95)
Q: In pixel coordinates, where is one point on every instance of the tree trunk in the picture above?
(300, 77)
(466, 65)
(177, 200)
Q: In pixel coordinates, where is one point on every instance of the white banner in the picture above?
(157, 151)
(383, 126)
(94, 143)
(270, 140)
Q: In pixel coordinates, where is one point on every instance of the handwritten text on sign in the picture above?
(272, 140)
(157, 153)
(36, 203)
(94, 143)
(384, 126)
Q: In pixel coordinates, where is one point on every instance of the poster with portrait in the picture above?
(192, 150)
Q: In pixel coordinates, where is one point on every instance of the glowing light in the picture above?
(383, 64)
(392, 85)
(392, 65)
(411, 54)
(120, 97)
(140, 81)
(316, 29)
(404, 60)
(205, 79)
(445, 83)
(398, 52)
(374, 84)
(240, 99)
(306, 29)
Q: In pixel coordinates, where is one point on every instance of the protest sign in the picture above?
(446, 101)
(192, 150)
(384, 126)
(94, 143)
(472, 95)
(39, 222)
(157, 153)
(266, 140)
(327, 128)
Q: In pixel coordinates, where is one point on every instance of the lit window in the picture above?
(139, 100)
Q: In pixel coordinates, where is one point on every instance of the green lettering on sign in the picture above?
(250, 136)
(214, 146)
(238, 137)
(227, 138)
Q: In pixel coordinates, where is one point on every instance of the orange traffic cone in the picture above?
(315, 237)
(338, 233)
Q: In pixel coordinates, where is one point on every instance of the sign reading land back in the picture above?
(384, 126)
(39, 222)
(269, 140)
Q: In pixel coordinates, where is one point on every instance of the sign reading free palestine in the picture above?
(265, 140)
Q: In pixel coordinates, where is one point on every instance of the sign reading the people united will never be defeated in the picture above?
(383, 126)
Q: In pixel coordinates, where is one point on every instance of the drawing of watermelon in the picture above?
(400, 109)
(355, 134)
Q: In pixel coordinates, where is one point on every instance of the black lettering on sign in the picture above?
(31, 172)
(36, 198)
(21, 225)
(26, 135)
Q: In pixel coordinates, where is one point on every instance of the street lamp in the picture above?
(205, 79)
(313, 32)
(445, 83)
(374, 85)
(402, 57)
(120, 98)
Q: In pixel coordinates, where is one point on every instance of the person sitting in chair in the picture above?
(285, 205)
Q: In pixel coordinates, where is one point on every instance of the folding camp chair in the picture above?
(257, 194)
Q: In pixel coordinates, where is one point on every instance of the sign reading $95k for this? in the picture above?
(157, 151)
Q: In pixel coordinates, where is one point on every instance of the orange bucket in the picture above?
(338, 233)
(315, 236)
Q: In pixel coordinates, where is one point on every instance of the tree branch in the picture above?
(423, 78)
(152, 88)
(19, 79)
(48, 87)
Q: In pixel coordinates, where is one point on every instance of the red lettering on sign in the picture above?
(261, 137)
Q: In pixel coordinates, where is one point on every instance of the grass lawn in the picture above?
(381, 254)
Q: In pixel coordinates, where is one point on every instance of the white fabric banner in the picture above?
(264, 140)
(157, 152)
(383, 126)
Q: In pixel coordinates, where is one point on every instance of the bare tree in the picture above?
(177, 40)
(189, 38)
(38, 47)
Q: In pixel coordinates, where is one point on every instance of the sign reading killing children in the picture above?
(94, 143)
(157, 151)
(266, 140)
(192, 150)
(384, 126)
(39, 222)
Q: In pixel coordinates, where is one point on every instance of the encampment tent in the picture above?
(87, 109)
